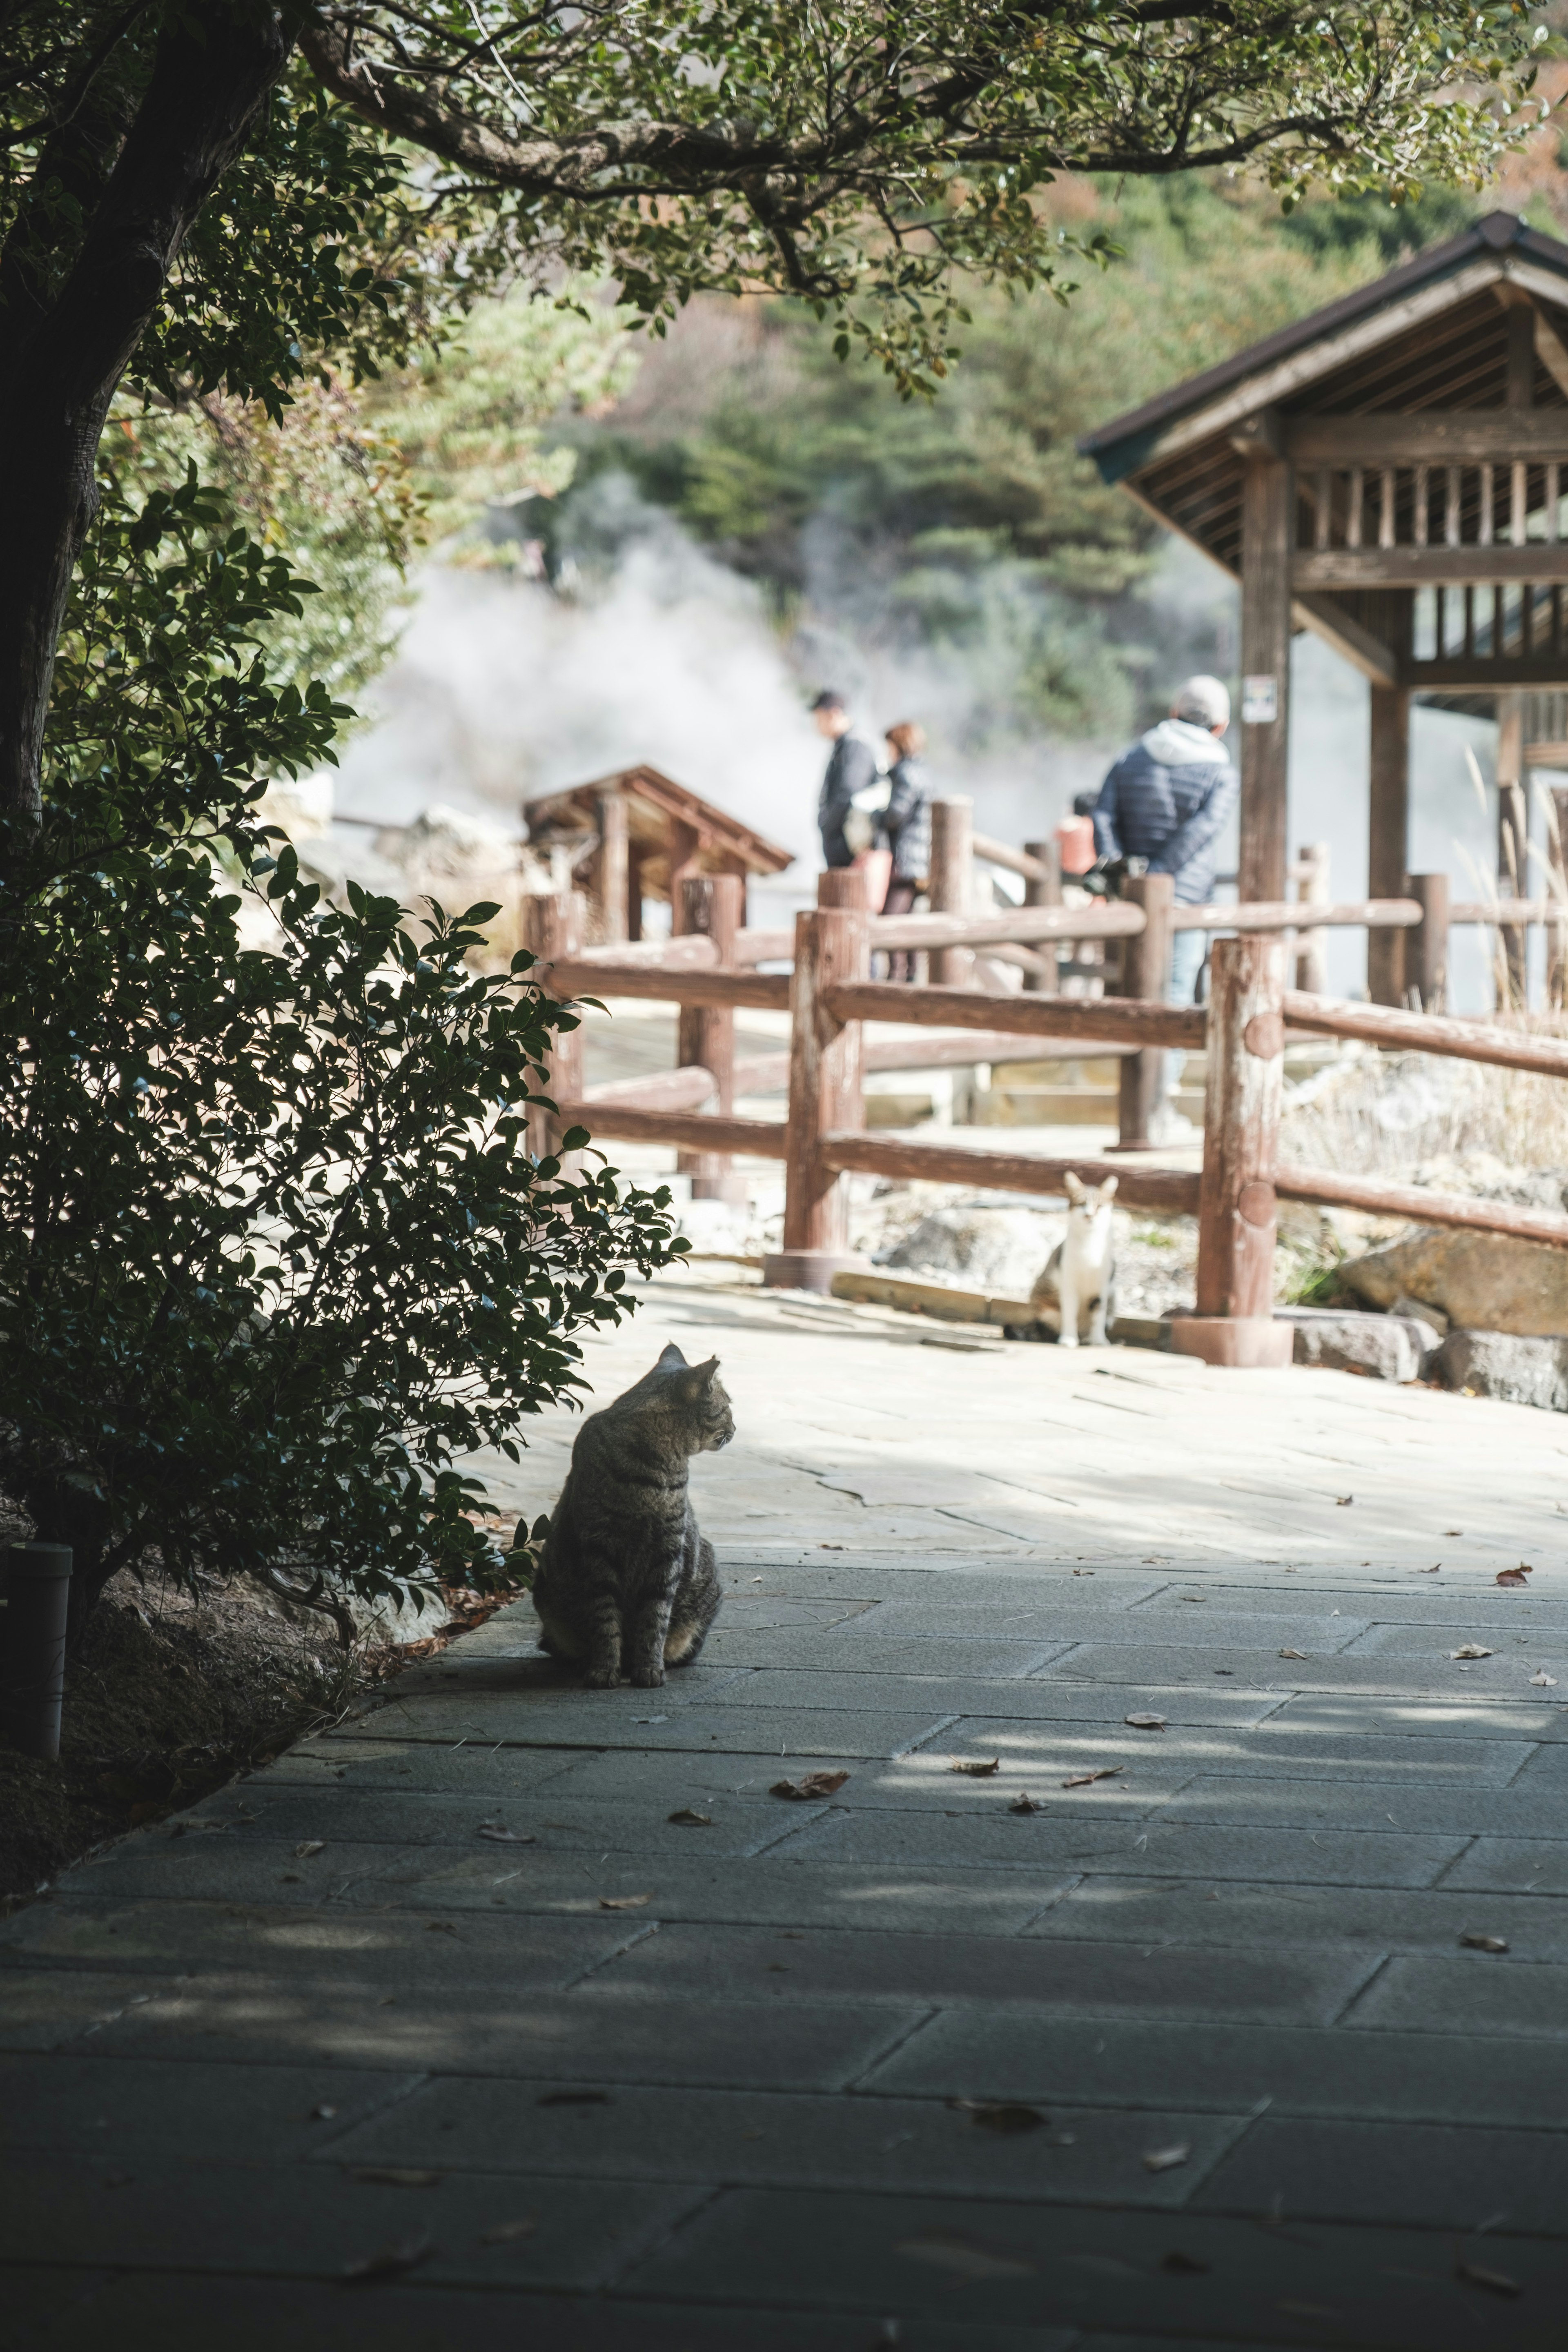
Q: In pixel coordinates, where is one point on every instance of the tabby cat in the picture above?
(628, 1582)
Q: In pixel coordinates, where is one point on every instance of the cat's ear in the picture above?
(710, 1372)
(671, 1360)
(1072, 1184)
(1107, 1190)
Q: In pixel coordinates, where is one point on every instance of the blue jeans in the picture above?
(1187, 950)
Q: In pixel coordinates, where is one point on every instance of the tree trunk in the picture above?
(65, 355)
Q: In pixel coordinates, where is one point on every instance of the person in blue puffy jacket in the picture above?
(1167, 801)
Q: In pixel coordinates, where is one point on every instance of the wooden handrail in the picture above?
(1112, 919)
(763, 1139)
(1426, 1032)
(1296, 1184)
(1011, 861)
(1508, 911)
(1120, 1020)
(686, 1089)
(759, 992)
(1295, 915)
(1172, 1189)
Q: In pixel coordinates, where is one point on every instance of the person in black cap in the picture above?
(851, 770)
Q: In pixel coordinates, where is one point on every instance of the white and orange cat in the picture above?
(1075, 1294)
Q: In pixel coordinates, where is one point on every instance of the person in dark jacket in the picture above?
(851, 770)
(906, 829)
(1167, 801)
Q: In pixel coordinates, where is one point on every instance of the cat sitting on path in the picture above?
(628, 1582)
(1077, 1293)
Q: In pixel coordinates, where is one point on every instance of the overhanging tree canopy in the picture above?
(192, 187)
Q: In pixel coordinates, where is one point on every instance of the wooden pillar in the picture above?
(952, 885)
(1389, 830)
(613, 871)
(1313, 890)
(1146, 974)
(1044, 891)
(713, 904)
(1427, 947)
(685, 845)
(825, 1089)
(1557, 931)
(1268, 532)
(555, 928)
(1236, 1210)
(1512, 835)
(633, 890)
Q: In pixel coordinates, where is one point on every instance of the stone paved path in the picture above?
(450, 1994)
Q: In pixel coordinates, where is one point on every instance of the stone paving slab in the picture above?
(1388, 2074)
(1158, 1848)
(562, 2037)
(791, 2141)
(700, 2077)
(1382, 2289)
(955, 1972)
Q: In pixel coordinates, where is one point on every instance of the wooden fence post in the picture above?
(1236, 1210)
(1044, 891)
(825, 1086)
(951, 883)
(1512, 849)
(1313, 890)
(1427, 947)
(555, 928)
(1145, 973)
(612, 870)
(712, 904)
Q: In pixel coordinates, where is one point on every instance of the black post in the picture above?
(33, 1647)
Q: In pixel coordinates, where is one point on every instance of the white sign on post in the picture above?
(1259, 701)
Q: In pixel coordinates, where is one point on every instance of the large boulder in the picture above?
(1482, 1282)
(1383, 1347)
(1501, 1364)
(981, 1248)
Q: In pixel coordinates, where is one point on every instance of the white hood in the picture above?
(1178, 743)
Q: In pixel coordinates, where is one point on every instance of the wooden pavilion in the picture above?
(1389, 472)
(638, 834)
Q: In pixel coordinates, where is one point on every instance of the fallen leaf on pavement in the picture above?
(1342, 1499)
(1546, 1681)
(1024, 1804)
(499, 1836)
(623, 1902)
(311, 1846)
(1145, 1722)
(1101, 1772)
(393, 2176)
(573, 2099)
(405, 2254)
(650, 1718)
(1495, 2282)
(1292, 1653)
(1478, 1943)
(1166, 2159)
(507, 2233)
(966, 2258)
(1470, 1650)
(999, 2115)
(975, 1771)
(687, 1819)
(1515, 1575)
(810, 1784)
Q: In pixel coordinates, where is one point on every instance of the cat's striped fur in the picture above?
(629, 1584)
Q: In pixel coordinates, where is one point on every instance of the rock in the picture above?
(986, 1249)
(1484, 1282)
(1502, 1364)
(1423, 1311)
(1385, 1347)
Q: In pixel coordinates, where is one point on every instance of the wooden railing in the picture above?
(832, 1002)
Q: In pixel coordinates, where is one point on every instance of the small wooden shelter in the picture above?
(1389, 472)
(638, 834)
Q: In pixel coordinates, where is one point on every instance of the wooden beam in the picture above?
(612, 869)
(762, 1139)
(712, 906)
(1426, 1032)
(1268, 531)
(1548, 673)
(1460, 436)
(1294, 1182)
(1122, 1019)
(1171, 1188)
(1236, 1214)
(1388, 833)
(1427, 567)
(1376, 662)
(1552, 352)
(758, 992)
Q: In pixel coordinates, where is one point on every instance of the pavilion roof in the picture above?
(655, 806)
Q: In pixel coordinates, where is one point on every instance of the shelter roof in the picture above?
(656, 807)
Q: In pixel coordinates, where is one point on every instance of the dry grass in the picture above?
(1497, 1132)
